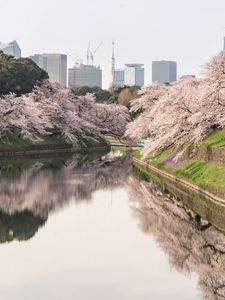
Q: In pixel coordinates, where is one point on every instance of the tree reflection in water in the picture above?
(30, 190)
(20, 226)
(191, 244)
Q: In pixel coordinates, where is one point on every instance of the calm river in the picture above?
(90, 228)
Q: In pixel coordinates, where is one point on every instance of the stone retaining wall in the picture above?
(217, 196)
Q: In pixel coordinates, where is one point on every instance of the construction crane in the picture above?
(75, 59)
(92, 53)
(88, 52)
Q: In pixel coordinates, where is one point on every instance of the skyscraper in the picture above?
(224, 44)
(134, 74)
(164, 71)
(85, 75)
(54, 64)
(118, 78)
(11, 48)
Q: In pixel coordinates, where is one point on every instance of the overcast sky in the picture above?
(187, 31)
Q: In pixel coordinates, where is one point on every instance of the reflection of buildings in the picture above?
(11, 48)
(164, 71)
(85, 75)
(132, 74)
(54, 64)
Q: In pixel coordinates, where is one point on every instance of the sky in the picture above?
(187, 31)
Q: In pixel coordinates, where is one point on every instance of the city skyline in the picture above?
(165, 30)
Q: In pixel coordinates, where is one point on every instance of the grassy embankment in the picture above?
(208, 175)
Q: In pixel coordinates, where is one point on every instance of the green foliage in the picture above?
(113, 99)
(121, 149)
(216, 139)
(19, 76)
(123, 95)
(138, 154)
(160, 156)
(21, 226)
(100, 94)
(12, 139)
(135, 114)
(203, 173)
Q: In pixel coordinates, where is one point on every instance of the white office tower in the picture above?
(11, 48)
(54, 64)
(134, 75)
(85, 75)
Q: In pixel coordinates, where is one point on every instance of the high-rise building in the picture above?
(118, 78)
(224, 44)
(54, 64)
(134, 74)
(164, 71)
(11, 48)
(85, 75)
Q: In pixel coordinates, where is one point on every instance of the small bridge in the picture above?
(117, 142)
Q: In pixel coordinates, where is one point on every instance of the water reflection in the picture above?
(31, 189)
(19, 226)
(191, 243)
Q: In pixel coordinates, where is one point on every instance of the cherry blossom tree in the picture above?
(51, 109)
(187, 110)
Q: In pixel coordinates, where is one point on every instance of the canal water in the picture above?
(93, 227)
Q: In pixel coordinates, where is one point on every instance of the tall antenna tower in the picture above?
(113, 63)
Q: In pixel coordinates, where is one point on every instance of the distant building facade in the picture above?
(54, 64)
(118, 79)
(11, 48)
(164, 71)
(224, 44)
(132, 74)
(85, 75)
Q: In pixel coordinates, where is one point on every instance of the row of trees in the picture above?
(119, 95)
(187, 110)
(51, 108)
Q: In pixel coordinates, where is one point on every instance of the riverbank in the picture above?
(203, 204)
(13, 145)
(202, 164)
(186, 183)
